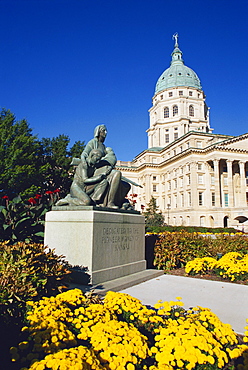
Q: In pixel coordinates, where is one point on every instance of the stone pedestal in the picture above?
(110, 244)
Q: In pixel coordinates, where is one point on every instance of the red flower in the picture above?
(38, 196)
(48, 192)
(56, 191)
(32, 201)
(5, 197)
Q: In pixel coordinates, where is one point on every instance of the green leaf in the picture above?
(40, 233)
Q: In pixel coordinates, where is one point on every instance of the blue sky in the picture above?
(69, 65)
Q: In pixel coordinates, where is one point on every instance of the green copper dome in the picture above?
(177, 74)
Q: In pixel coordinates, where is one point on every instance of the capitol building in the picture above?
(198, 178)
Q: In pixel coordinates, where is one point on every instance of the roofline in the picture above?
(180, 138)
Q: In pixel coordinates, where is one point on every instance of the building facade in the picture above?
(197, 178)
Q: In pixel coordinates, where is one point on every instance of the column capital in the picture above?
(193, 164)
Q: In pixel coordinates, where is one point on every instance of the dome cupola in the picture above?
(177, 74)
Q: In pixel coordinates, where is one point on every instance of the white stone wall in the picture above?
(178, 179)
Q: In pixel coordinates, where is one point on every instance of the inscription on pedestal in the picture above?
(120, 238)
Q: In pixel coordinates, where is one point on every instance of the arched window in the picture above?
(191, 111)
(175, 110)
(166, 112)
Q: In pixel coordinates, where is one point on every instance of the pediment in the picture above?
(238, 142)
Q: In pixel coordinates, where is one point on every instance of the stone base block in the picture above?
(105, 244)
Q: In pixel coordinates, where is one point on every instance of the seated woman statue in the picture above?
(88, 187)
(96, 182)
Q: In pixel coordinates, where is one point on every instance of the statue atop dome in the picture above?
(175, 37)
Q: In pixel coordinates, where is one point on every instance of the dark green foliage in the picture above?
(192, 229)
(28, 165)
(153, 218)
(24, 221)
(20, 168)
(175, 249)
(57, 158)
(77, 149)
(27, 271)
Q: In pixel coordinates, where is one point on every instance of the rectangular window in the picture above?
(175, 183)
(190, 93)
(200, 198)
(199, 144)
(154, 187)
(189, 199)
(199, 166)
(226, 199)
(188, 177)
(181, 181)
(212, 180)
(169, 185)
(213, 199)
(225, 181)
(170, 93)
(167, 138)
(175, 197)
(181, 148)
(180, 93)
(175, 135)
(200, 179)
(154, 178)
(182, 200)
(161, 97)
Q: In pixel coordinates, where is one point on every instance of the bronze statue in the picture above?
(96, 182)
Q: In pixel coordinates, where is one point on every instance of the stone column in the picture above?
(230, 183)
(208, 200)
(194, 185)
(217, 183)
(148, 190)
(242, 184)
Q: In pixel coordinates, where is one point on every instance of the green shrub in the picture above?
(27, 271)
(191, 229)
(153, 217)
(174, 250)
(21, 221)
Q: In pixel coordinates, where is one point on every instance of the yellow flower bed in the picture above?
(231, 266)
(67, 332)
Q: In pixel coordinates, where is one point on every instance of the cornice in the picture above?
(235, 139)
(178, 156)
